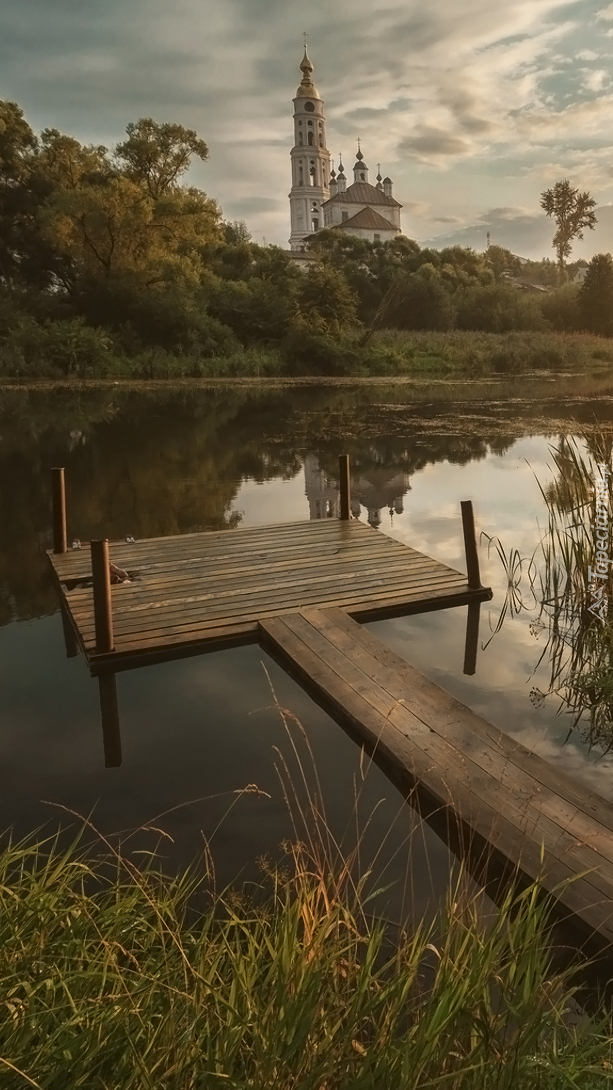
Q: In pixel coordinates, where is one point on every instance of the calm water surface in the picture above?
(196, 731)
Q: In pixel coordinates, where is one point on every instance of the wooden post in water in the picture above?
(103, 615)
(70, 640)
(58, 494)
(343, 464)
(470, 545)
(472, 637)
(111, 730)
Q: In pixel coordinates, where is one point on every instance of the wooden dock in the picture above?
(482, 787)
(208, 590)
(300, 589)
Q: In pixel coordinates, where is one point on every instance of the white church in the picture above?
(320, 198)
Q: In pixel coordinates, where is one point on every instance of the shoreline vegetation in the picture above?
(390, 355)
(128, 977)
(112, 267)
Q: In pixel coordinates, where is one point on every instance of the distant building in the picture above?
(320, 198)
(375, 489)
(580, 275)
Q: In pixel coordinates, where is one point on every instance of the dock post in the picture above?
(103, 615)
(472, 638)
(58, 494)
(470, 545)
(111, 730)
(70, 640)
(343, 463)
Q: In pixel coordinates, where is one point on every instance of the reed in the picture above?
(110, 978)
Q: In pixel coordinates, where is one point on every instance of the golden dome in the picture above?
(307, 88)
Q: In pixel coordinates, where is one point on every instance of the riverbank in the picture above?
(110, 969)
(389, 354)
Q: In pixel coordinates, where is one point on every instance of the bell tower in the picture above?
(310, 159)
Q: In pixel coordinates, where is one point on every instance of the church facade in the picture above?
(320, 198)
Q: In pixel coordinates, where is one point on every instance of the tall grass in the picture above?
(110, 978)
(578, 646)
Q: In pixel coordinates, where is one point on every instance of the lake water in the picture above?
(157, 461)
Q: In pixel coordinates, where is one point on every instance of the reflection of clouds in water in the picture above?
(499, 691)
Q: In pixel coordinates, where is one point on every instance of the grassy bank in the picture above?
(390, 353)
(108, 972)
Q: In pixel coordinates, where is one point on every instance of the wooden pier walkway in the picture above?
(506, 801)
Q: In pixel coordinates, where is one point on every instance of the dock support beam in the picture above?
(472, 638)
(343, 464)
(470, 545)
(103, 615)
(109, 709)
(59, 510)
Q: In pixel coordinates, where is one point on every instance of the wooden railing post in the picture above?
(58, 493)
(470, 545)
(103, 615)
(343, 463)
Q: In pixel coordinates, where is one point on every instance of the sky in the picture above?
(472, 108)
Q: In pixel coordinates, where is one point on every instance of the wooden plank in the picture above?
(75, 564)
(131, 655)
(277, 598)
(425, 763)
(150, 550)
(244, 538)
(308, 567)
(431, 704)
(262, 585)
(420, 691)
(158, 639)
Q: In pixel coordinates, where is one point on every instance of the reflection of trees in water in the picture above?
(154, 461)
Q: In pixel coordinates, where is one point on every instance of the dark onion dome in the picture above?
(387, 180)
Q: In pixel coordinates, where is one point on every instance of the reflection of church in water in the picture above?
(373, 489)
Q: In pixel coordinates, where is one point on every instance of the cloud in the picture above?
(427, 143)
(463, 102)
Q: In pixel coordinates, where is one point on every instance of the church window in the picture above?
(310, 139)
(344, 215)
(321, 140)
(310, 124)
(309, 107)
(363, 176)
(300, 138)
(315, 224)
(376, 238)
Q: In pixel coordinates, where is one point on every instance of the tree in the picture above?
(572, 212)
(595, 300)
(157, 155)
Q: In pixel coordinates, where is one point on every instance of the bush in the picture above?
(560, 308)
(55, 349)
(425, 303)
(314, 353)
(498, 308)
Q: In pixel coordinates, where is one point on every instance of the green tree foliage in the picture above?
(325, 299)
(155, 156)
(424, 302)
(595, 298)
(499, 308)
(572, 211)
(502, 261)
